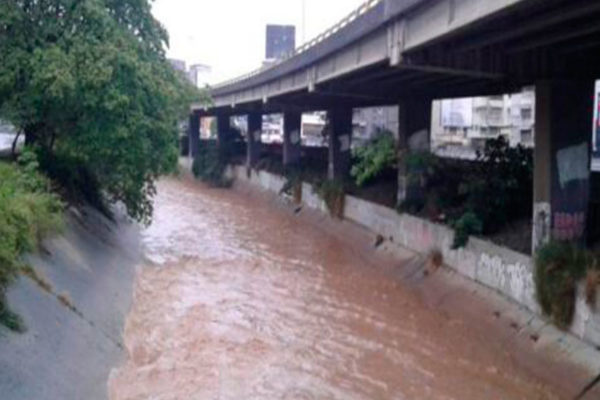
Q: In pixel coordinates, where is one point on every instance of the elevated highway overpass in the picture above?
(388, 49)
(409, 52)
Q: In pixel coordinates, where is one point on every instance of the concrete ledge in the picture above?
(502, 269)
(498, 268)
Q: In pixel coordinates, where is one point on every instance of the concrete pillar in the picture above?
(253, 139)
(414, 134)
(564, 113)
(292, 143)
(194, 134)
(340, 141)
(223, 128)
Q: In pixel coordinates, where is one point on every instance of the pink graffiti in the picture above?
(568, 226)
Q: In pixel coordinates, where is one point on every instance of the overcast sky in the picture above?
(229, 35)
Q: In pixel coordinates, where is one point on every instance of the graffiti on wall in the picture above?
(513, 279)
(568, 226)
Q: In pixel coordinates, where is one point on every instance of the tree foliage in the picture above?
(89, 80)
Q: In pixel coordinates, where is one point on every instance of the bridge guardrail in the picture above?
(366, 6)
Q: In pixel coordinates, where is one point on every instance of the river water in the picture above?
(240, 301)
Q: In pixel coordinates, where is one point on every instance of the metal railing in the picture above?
(366, 6)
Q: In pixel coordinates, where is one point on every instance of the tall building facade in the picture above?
(281, 40)
(460, 127)
(200, 75)
(179, 65)
(368, 122)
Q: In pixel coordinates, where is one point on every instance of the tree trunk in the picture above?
(13, 149)
(30, 135)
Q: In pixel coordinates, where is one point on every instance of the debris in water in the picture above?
(379, 241)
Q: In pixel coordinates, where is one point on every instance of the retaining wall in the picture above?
(499, 268)
(64, 354)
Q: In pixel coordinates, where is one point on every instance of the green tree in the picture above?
(88, 80)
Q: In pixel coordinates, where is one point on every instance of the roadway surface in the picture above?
(240, 298)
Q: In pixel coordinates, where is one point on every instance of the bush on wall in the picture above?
(371, 160)
(211, 162)
(559, 267)
(333, 193)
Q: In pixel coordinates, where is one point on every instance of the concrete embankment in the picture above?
(74, 314)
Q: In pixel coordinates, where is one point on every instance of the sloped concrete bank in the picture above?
(75, 325)
(508, 273)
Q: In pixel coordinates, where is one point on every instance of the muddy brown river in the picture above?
(240, 299)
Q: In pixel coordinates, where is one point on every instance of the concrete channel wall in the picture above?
(501, 269)
(68, 353)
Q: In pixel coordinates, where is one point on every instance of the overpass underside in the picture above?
(410, 52)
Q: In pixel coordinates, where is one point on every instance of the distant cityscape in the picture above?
(198, 74)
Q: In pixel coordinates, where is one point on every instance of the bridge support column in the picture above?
(223, 128)
(253, 139)
(414, 134)
(194, 134)
(564, 113)
(292, 143)
(340, 141)
(223, 134)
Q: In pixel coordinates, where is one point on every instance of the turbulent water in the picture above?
(238, 301)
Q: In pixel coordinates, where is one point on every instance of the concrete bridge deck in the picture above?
(388, 49)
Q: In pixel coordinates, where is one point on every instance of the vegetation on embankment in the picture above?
(478, 197)
(210, 163)
(482, 196)
(559, 267)
(28, 211)
(89, 85)
(374, 158)
(332, 192)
